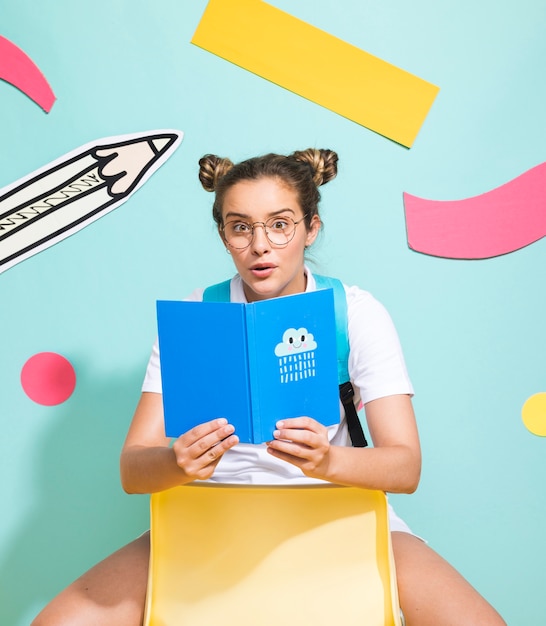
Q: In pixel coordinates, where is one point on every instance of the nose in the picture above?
(260, 242)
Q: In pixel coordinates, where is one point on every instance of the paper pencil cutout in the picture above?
(499, 221)
(20, 70)
(318, 66)
(68, 194)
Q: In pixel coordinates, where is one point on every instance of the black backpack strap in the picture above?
(356, 433)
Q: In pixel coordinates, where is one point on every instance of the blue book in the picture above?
(253, 364)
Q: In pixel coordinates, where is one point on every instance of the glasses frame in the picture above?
(264, 226)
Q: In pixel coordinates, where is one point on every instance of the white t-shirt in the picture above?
(376, 368)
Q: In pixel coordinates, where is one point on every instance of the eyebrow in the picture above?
(232, 214)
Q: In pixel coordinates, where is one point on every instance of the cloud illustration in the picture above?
(295, 341)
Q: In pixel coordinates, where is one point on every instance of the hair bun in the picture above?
(323, 162)
(211, 169)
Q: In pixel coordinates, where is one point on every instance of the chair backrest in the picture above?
(248, 555)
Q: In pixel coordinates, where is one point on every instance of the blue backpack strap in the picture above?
(342, 333)
(220, 292)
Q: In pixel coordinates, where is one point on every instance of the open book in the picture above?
(253, 364)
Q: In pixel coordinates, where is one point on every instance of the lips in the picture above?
(262, 269)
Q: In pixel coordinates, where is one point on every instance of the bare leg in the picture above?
(432, 592)
(112, 592)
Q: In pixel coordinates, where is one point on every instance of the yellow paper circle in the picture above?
(533, 414)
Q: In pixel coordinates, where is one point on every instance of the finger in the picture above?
(200, 464)
(299, 436)
(206, 464)
(294, 456)
(291, 448)
(197, 441)
(211, 440)
(213, 454)
(203, 430)
(303, 422)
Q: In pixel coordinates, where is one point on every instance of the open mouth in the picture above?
(262, 270)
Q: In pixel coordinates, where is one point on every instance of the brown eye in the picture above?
(240, 228)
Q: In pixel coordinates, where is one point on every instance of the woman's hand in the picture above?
(149, 463)
(199, 450)
(302, 441)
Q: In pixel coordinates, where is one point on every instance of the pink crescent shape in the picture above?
(18, 69)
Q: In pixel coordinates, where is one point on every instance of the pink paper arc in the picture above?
(497, 222)
(18, 69)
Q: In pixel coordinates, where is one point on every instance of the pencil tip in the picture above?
(160, 143)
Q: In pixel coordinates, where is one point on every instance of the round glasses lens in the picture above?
(238, 234)
(280, 230)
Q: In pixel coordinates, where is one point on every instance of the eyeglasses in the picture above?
(279, 231)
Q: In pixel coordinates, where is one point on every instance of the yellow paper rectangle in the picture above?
(318, 66)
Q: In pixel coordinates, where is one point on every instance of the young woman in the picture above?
(266, 210)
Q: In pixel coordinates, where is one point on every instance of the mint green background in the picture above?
(473, 331)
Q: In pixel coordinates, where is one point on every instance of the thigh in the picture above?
(112, 592)
(432, 592)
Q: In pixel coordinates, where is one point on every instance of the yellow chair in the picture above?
(260, 556)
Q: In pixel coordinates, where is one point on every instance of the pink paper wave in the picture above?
(499, 221)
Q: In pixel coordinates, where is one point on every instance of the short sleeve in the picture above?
(376, 362)
(152, 378)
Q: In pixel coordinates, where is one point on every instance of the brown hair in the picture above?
(303, 171)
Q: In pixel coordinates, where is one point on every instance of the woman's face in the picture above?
(268, 270)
